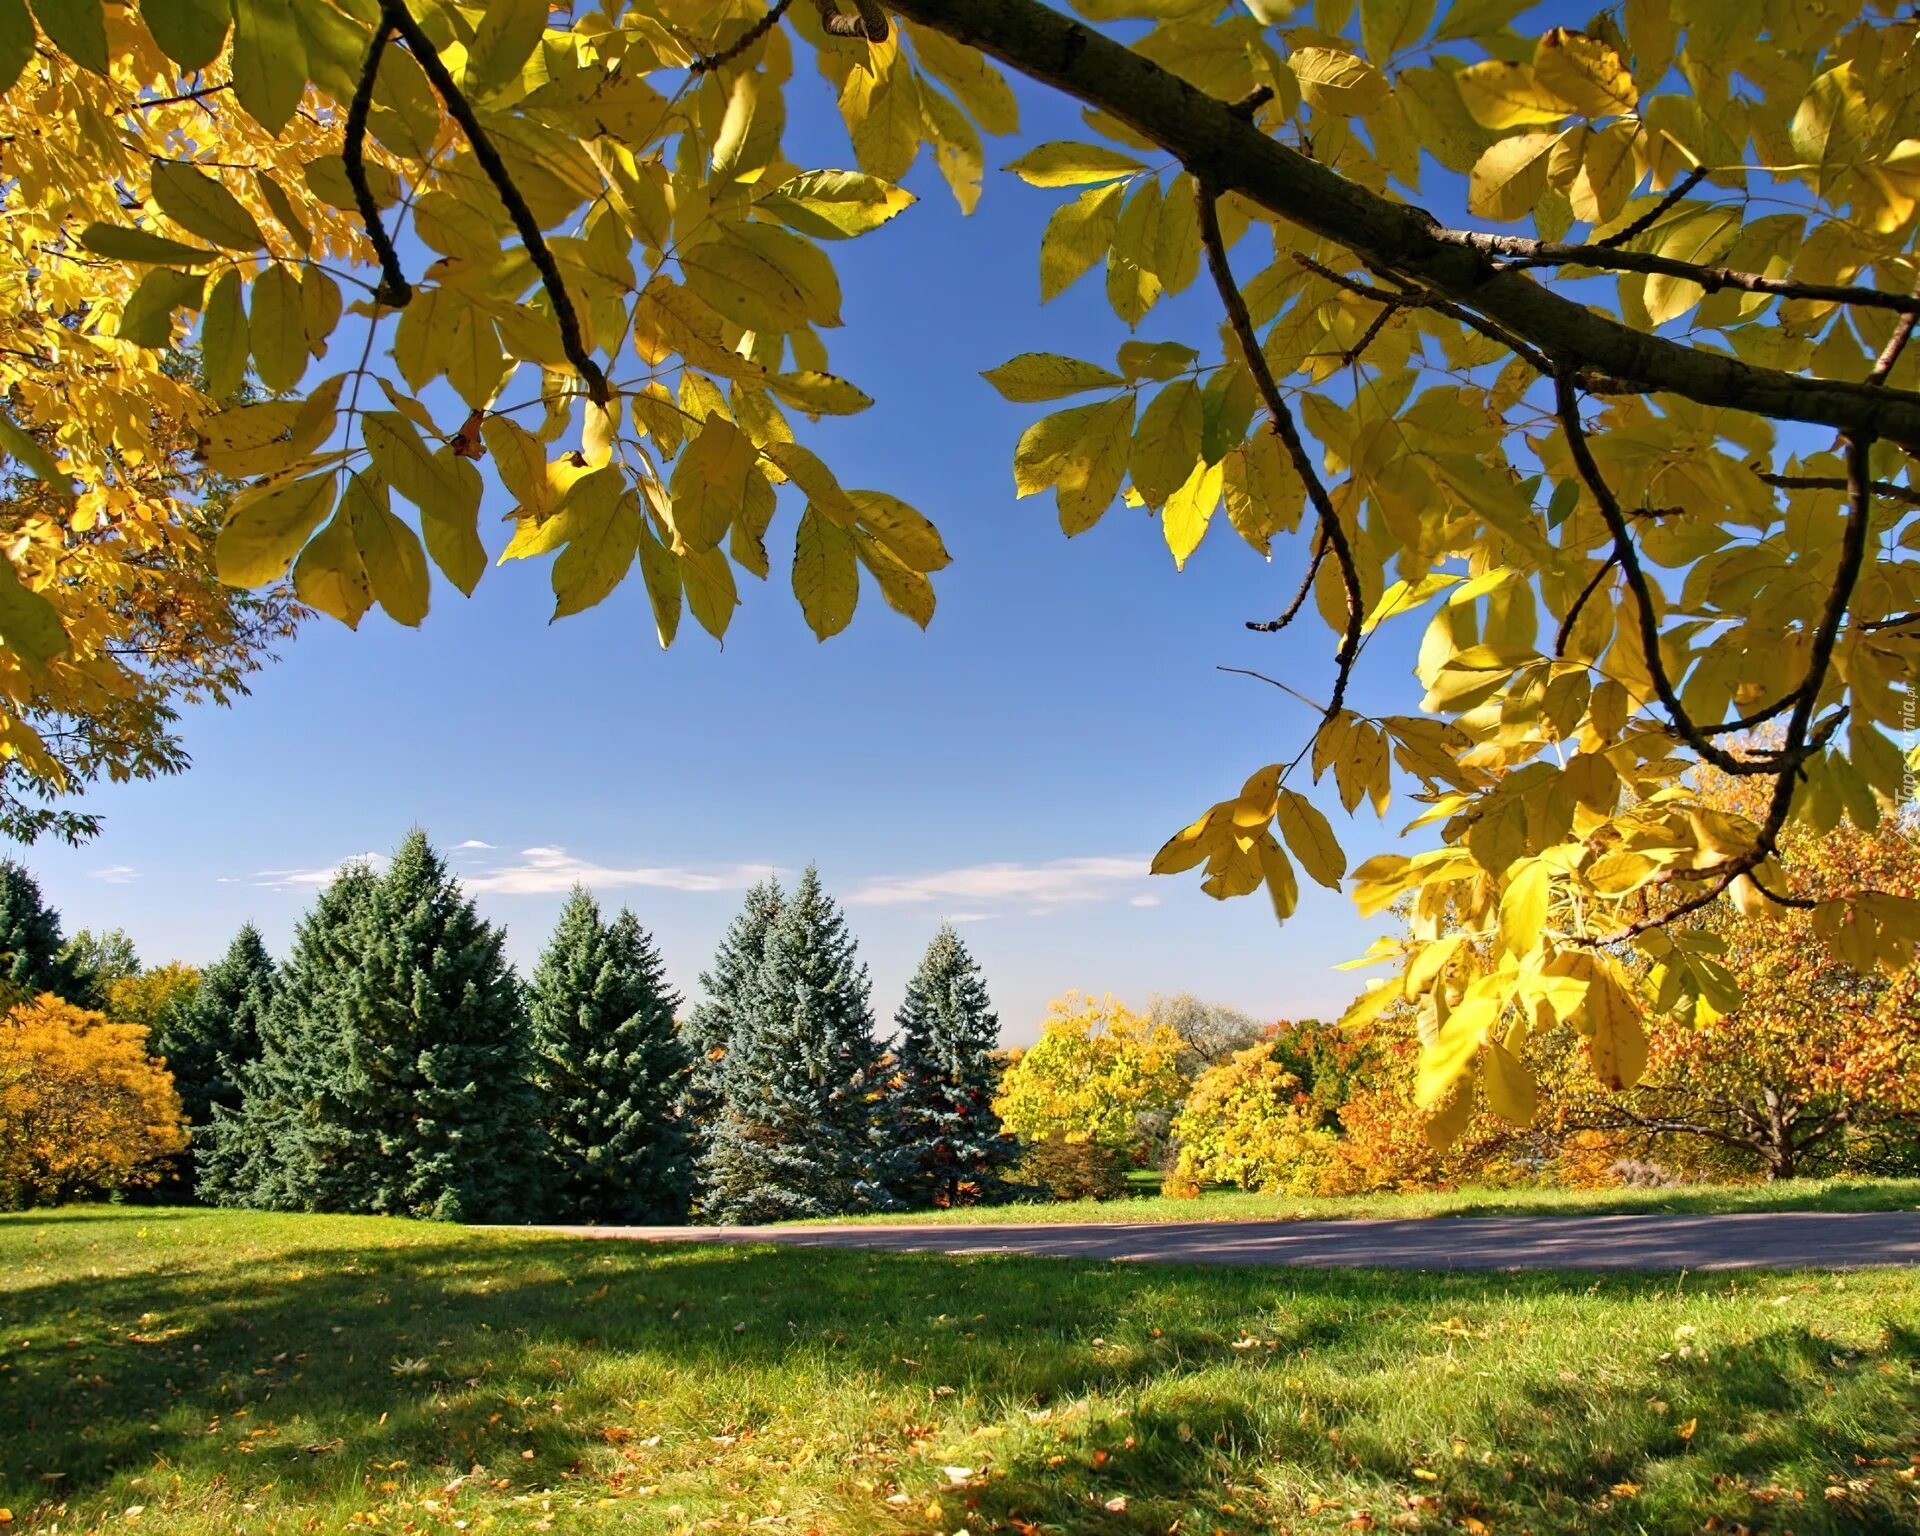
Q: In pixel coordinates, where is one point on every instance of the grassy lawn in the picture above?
(200, 1372)
(1232, 1205)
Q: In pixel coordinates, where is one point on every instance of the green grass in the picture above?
(1233, 1205)
(223, 1372)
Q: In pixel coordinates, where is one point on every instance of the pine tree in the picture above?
(211, 1039)
(948, 1147)
(33, 956)
(796, 1130)
(270, 1150)
(708, 1029)
(610, 1068)
(439, 1117)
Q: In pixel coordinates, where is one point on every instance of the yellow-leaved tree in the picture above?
(1629, 432)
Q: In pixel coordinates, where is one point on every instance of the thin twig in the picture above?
(1287, 688)
(1274, 626)
(1658, 211)
(1573, 613)
(743, 42)
(572, 342)
(1215, 246)
(394, 290)
(1885, 488)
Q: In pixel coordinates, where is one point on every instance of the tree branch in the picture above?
(400, 19)
(1274, 626)
(1675, 195)
(1331, 529)
(1884, 488)
(733, 50)
(1232, 155)
(394, 290)
(1573, 613)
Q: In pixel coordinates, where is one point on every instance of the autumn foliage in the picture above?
(83, 1108)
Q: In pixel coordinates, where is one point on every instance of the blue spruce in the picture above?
(611, 1068)
(948, 1147)
(796, 1131)
(708, 1029)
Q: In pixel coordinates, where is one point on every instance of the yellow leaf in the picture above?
(835, 205)
(603, 535)
(1188, 847)
(390, 551)
(1188, 511)
(451, 524)
(1089, 472)
(815, 480)
(1282, 888)
(818, 394)
(825, 577)
(1509, 1086)
(1338, 82)
(267, 528)
(1166, 442)
(30, 626)
(661, 574)
(1077, 236)
(508, 33)
(1510, 177)
(1503, 95)
(330, 576)
(1585, 73)
(1310, 835)
(278, 328)
(1523, 906)
(908, 536)
(269, 61)
(1447, 1057)
(202, 206)
(710, 484)
(1047, 376)
(223, 337)
(711, 593)
(906, 590)
(1061, 164)
(764, 278)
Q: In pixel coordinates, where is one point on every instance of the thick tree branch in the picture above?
(394, 290)
(1232, 155)
(400, 20)
(1331, 529)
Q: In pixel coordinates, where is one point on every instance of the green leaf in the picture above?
(116, 242)
(190, 32)
(396, 565)
(267, 528)
(223, 337)
(269, 61)
(147, 320)
(504, 41)
(603, 534)
(1047, 376)
(1062, 164)
(25, 448)
(834, 205)
(16, 41)
(278, 329)
(78, 28)
(30, 626)
(199, 204)
(825, 576)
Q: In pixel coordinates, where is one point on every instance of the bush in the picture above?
(83, 1108)
(1070, 1169)
(1249, 1122)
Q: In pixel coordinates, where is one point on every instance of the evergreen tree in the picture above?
(610, 1068)
(438, 1116)
(33, 957)
(708, 1029)
(948, 1145)
(214, 1035)
(266, 1150)
(796, 1130)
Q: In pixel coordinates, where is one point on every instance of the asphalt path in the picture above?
(1742, 1240)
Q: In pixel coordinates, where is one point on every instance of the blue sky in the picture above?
(1011, 769)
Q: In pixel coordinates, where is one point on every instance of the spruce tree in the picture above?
(610, 1068)
(33, 957)
(270, 1150)
(727, 983)
(211, 1039)
(796, 1131)
(948, 1147)
(438, 1115)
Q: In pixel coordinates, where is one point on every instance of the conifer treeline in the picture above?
(395, 1064)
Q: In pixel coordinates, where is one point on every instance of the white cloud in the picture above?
(117, 874)
(548, 871)
(294, 879)
(473, 843)
(1056, 883)
(1144, 900)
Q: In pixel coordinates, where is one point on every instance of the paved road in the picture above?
(1747, 1240)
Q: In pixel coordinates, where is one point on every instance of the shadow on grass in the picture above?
(1136, 1397)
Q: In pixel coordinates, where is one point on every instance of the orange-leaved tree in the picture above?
(83, 1108)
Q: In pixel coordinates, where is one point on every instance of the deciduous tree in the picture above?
(1632, 431)
(83, 1108)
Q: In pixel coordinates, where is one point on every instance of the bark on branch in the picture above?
(1230, 154)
